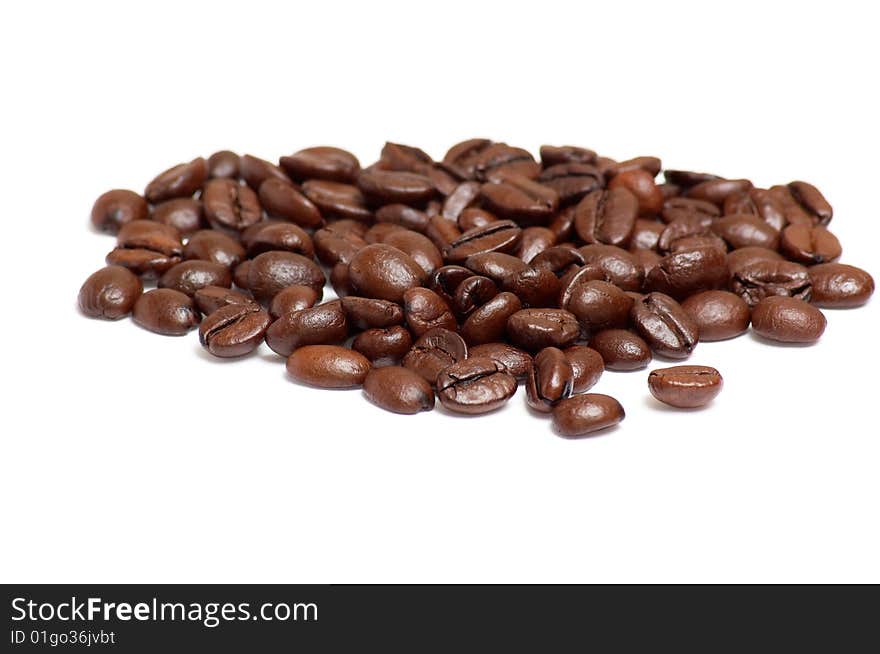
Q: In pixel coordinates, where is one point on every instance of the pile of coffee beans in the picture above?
(458, 279)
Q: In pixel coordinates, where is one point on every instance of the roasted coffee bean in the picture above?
(647, 259)
(615, 265)
(418, 246)
(240, 274)
(572, 181)
(474, 386)
(500, 236)
(324, 324)
(398, 389)
(464, 196)
(211, 298)
(367, 313)
(558, 259)
(340, 280)
(621, 349)
(586, 364)
(669, 190)
(535, 329)
(184, 214)
(110, 293)
(282, 237)
(116, 208)
(445, 280)
(744, 230)
(396, 156)
(641, 184)
(517, 362)
(533, 241)
(646, 234)
(665, 326)
(189, 276)
(521, 199)
(488, 323)
(442, 231)
(687, 178)
(433, 352)
(582, 415)
(293, 298)
(254, 171)
(757, 202)
(684, 273)
(606, 216)
(689, 209)
(380, 231)
(211, 245)
(717, 190)
(165, 311)
(805, 199)
(425, 310)
(788, 320)
(322, 162)
(480, 159)
(229, 205)
(552, 155)
(535, 287)
(177, 182)
(764, 278)
(472, 293)
(687, 228)
(595, 303)
(809, 245)
(223, 164)
(563, 224)
(282, 200)
(719, 315)
(384, 272)
(400, 214)
(838, 286)
(334, 245)
(685, 387)
(697, 242)
(551, 380)
(272, 271)
(739, 259)
(383, 346)
(646, 164)
(390, 186)
(147, 248)
(328, 366)
(234, 330)
(337, 200)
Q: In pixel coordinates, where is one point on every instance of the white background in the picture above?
(127, 456)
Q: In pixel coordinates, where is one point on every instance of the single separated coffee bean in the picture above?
(788, 320)
(685, 387)
(398, 389)
(328, 366)
(582, 415)
(165, 311)
(110, 293)
(234, 330)
(839, 286)
(475, 386)
(177, 182)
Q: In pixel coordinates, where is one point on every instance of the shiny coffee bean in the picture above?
(336, 200)
(445, 280)
(165, 311)
(684, 273)
(433, 352)
(282, 200)
(583, 415)
(110, 293)
(401, 214)
(214, 246)
(184, 214)
(681, 229)
(764, 278)
(787, 320)
(475, 386)
(641, 184)
(147, 248)
(328, 366)
(464, 196)
(323, 162)
(234, 330)
(480, 159)
(685, 387)
(607, 216)
(383, 346)
(211, 298)
(717, 190)
(488, 323)
(586, 364)
(621, 349)
(390, 186)
(500, 236)
(384, 272)
(687, 178)
(286, 237)
(688, 209)
(425, 310)
(398, 389)
(367, 313)
(272, 271)
(536, 287)
(240, 274)
(535, 329)
(177, 182)
(838, 286)
(254, 171)
(718, 314)
(809, 245)
(596, 303)
(551, 380)
(804, 199)
(472, 293)
(442, 231)
(517, 362)
(189, 276)
(744, 230)
(293, 298)
(646, 234)
(533, 241)
(116, 208)
(572, 181)
(396, 156)
(739, 259)
(552, 155)
(324, 324)
(665, 326)
(229, 205)
(334, 245)
(418, 246)
(520, 199)
(223, 164)
(558, 259)
(615, 265)
(646, 164)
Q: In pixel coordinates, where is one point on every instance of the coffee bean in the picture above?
(400, 214)
(551, 380)
(398, 389)
(110, 293)
(240, 274)
(442, 231)
(687, 227)
(211, 298)
(223, 164)
(272, 271)
(572, 181)
(322, 162)
(390, 186)
(293, 298)
(177, 182)
(337, 200)
(116, 208)
(383, 346)
(615, 265)
(744, 230)
(189, 276)
(739, 259)
(665, 326)
(228, 205)
(837, 285)
(384, 272)
(678, 208)
(521, 199)
(474, 386)
(396, 156)
(788, 320)
(535, 287)
(645, 164)
(340, 280)
(757, 202)
(254, 171)
(552, 155)
(563, 224)
(811, 201)
(500, 236)
(425, 310)
(558, 259)
(433, 352)
(418, 246)
(464, 196)
(234, 330)
(334, 245)
(147, 248)
(685, 387)
(282, 200)
(687, 178)
(641, 184)
(367, 313)
(764, 278)
(324, 324)
(214, 246)
(717, 190)
(535, 329)
(582, 415)
(517, 362)
(595, 303)
(621, 349)
(445, 280)
(647, 259)
(533, 241)
(165, 311)
(719, 315)
(472, 293)
(681, 274)
(482, 159)
(809, 245)
(280, 237)
(646, 234)
(488, 323)
(184, 214)
(328, 366)
(586, 364)
(607, 216)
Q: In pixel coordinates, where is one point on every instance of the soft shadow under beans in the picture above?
(657, 405)
(770, 342)
(204, 355)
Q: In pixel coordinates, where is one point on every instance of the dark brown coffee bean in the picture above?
(646, 164)
(272, 271)
(282, 200)
(551, 380)
(563, 224)
(442, 231)
(689, 209)
(811, 201)
(254, 171)
(665, 326)
(116, 208)
(687, 178)
(234, 330)
(500, 236)
(384, 272)
(229, 205)
(285, 237)
(558, 259)
(165, 311)
(396, 156)
(390, 186)
(211, 245)
(535, 287)
(336, 200)
(583, 415)
(647, 259)
(433, 352)
(324, 324)
(685, 387)
(521, 199)
(398, 389)
(552, 155)
(717, 190)
(147, 248)
(488, 323)
(621, 349)
(377, 233)
(787, 320)
(641, 184)
(480, 159)
(744, 230)
(340, 280)
(328, 366)
(240, 274)
(475, 386)
(606, 216)
(472, 293)
(572, 181)
(838, 286)
(445, 280)
(535, 329)
(189, 276)
(334, 245)
(293, 298)
(586, 364)
(685, 228)
(418, 246)
(110, 293)
(595, 303)
(367, 313)
(719, 314)
(177, 182)
(401, 214)
(690, 271)
(757, 202)
(211, 298)
(646, 234)
(464, 196)
(517, 362)
(322, 162)
(383, 346)
(425, 310)
(223, 164)
(184, 214)
(809, 245)
(615, 265)
(669, 190)
(739, 259)
(764, 278)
